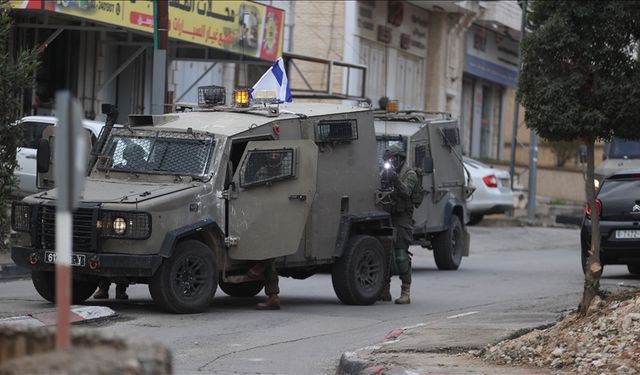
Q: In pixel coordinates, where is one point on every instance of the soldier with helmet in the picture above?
(404, 180)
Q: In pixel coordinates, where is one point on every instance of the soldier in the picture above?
(404, 180)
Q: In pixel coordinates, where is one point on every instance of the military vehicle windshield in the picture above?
(157, 152)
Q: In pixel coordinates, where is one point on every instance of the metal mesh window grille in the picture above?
(157, 152)
(420, 153)
(262, 167)
(337, 130)
(451, 136)
(209, 96)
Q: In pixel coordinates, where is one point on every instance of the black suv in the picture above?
(618, 205)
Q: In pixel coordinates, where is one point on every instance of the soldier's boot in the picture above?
(272, 303)
(385, 296)
(121, 291)
(103, 291)
(404, 295)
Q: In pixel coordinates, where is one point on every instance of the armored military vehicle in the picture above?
(184, 202)
(432, 142)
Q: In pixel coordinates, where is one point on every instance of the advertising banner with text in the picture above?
(242, 27)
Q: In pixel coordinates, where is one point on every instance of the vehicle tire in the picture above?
(634, 268)
(359, 274)
(45, 284)
(475, 219)
(83, 289)
(186, 282)
(248, 289)
(448, 246)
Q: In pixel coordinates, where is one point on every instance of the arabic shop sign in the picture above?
(238, 26)
(242, 27)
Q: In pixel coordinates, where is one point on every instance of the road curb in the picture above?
(79, 314)
(358, 362)
(12, 271)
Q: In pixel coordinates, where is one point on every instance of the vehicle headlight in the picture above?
(119, 225)
(21, 217)
(124, 225)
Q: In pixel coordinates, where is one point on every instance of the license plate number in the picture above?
(629, 233)
(76, 260)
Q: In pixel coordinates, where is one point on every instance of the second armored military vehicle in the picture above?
(432, 143)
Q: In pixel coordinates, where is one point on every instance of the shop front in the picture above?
(104, 51)
(490, 71)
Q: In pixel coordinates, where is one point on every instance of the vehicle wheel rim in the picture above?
(368, 270)
(455, 242)
(190, 277)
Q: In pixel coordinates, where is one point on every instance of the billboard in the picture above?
(242, 27)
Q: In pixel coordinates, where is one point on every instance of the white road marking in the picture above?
(461, 315)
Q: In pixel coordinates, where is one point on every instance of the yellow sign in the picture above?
(132, 14)
(242, 27)
(238, 26)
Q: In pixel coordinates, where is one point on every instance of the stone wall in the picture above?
(28, 350)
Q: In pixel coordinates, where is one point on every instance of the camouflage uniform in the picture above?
(402, 219)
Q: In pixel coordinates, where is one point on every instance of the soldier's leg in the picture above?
(121, 291)
(103, 289)
(403, 261)
(271, 287)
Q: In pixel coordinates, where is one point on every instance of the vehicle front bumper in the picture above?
(105, 265)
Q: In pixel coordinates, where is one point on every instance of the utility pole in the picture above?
(160, 41)
(516, 107)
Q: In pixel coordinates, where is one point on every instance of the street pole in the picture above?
(70, 164)
(160, 41)
(533, 175)
(516, 107)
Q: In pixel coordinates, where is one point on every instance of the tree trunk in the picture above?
(593, 269)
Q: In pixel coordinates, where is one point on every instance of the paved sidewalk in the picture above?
(79, 314)
(443, 346)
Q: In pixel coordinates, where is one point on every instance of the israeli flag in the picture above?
(275, 79)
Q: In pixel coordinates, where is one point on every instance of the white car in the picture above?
(492, 195)
(32, 128)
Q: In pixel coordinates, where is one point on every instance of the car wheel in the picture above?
(186, 282)
(634, 268)
(448, 246)
(248, 289)
(83, 289)
(45, 284)
(475, 219)
(359, 274)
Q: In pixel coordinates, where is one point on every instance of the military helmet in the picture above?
(395, 149)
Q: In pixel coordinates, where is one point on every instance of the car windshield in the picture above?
(157, 152)
(624, 148)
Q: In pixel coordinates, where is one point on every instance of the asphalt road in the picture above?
(513, 269)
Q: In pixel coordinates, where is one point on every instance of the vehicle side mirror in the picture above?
(43, 158)
(427, 165)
